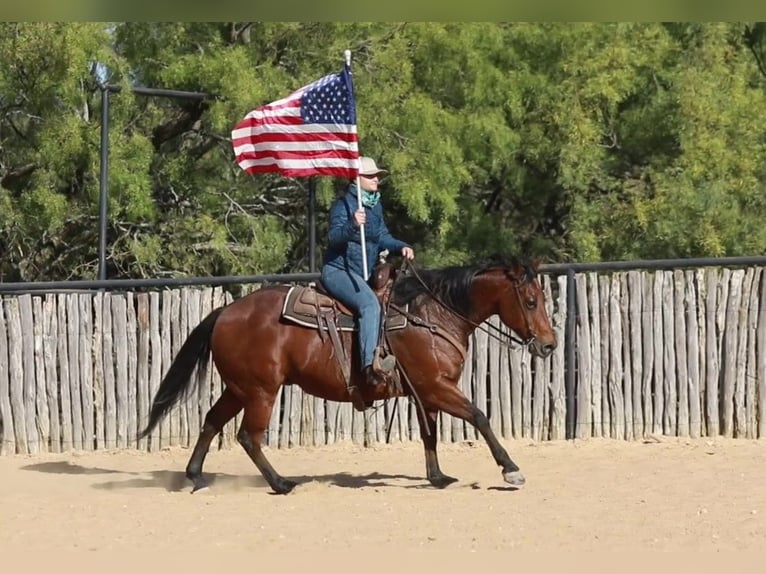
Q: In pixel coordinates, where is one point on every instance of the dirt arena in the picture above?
(664, 494)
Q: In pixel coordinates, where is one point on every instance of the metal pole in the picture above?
(163, 93)
(570, 339)
(104, 181)
(312, 223)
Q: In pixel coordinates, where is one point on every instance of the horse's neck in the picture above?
(483, 305)
(483, 299)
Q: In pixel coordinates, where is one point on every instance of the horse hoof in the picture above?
(285, 486)
(514, 478)
(198, 484)
(201, 488)
(442, 481)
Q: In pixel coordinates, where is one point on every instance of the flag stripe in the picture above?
(285, 147)
(296, 163)
(310, 156)
(315, 130)
(270, 112)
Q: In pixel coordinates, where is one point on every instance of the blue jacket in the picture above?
(345, 244)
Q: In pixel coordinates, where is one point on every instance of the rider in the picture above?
(342, 272)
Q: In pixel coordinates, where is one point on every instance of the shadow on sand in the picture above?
(175, 481)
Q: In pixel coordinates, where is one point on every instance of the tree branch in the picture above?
(183, 122)
(751, 39)
(14, 176)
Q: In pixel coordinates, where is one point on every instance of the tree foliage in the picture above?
(570, 141)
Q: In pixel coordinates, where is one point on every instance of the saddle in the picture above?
(312, 306)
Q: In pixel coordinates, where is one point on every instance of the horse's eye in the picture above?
(531, 303)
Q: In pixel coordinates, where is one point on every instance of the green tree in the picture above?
(577, 142)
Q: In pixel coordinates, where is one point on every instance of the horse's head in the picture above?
(474, 293)
(521, 306)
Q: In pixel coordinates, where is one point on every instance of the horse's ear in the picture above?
(536, 261)
(517, 273)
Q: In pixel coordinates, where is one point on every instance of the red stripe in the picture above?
(300, 155)
(342, 162)
(333, 171)
(278, 120)
(285, 137)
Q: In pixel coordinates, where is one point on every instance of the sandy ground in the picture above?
(667, 494)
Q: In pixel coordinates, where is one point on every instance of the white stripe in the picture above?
(294, 129)
(298, 163)
(294, 96)
(296, 146)
(281, 113)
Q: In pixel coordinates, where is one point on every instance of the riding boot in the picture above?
(373, 377)
(371, 380)
(357, 400)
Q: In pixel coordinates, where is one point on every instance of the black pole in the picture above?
(104, 181)
(569, 368)
(163, 93)
(312, 223)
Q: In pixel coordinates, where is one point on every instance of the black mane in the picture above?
(451, 284)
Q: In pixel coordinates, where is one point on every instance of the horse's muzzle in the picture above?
(540, 349)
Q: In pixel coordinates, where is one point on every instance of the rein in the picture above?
(501, 336)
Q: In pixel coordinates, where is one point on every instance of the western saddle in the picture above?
(312, 306)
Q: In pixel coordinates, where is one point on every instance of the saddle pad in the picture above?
(297, 311)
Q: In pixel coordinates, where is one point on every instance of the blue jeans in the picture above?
(354, 292)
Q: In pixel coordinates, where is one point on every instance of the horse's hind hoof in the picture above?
(284, 486)
(442, 481)
(514, 478)
(199, 484)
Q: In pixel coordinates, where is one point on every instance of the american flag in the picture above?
(310, 132)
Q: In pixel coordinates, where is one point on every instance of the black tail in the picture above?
(194, 352)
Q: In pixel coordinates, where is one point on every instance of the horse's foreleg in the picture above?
(428, 433)
(250, 434)
(454, 402)
(225, 408)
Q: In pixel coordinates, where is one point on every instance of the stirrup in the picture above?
(384, 365)
(388, 363)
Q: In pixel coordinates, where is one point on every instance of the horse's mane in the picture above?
(452, 284)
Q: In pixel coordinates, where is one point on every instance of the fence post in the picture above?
(103, 182)
(569, 361)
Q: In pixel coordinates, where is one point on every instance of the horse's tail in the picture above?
(194, 352)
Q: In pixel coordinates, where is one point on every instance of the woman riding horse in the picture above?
(256, 353)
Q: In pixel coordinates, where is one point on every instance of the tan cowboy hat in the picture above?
(368, 167)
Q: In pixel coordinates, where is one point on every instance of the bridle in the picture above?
(499, 335)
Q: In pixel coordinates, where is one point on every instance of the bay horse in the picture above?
(256, 351)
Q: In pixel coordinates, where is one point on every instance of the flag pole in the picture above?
(347, 54)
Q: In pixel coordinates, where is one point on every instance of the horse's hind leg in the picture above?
(453, 402)
(428, 433)
(250, 434)
(225, 408)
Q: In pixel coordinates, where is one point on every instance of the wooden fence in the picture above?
(672, 352)
(665, 352)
